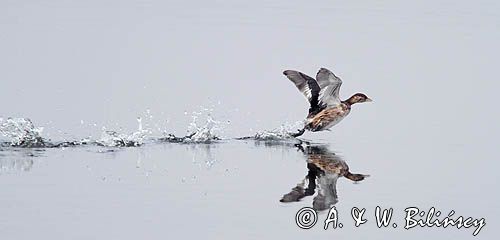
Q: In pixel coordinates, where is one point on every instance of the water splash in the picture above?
(205, 132)
(115, 139)
(284, 132)
(21, 132)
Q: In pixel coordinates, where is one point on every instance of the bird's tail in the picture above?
(355, 177)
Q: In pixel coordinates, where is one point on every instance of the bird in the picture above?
(326, 109)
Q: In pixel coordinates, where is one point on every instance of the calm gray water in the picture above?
(82, 69)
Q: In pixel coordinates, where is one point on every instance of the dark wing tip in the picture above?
(286, 72)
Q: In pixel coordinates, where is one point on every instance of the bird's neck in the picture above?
(350, 101)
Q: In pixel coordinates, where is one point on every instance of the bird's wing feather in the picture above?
(306, 85)
(330, 87)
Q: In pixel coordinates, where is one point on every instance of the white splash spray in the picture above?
(21, 132)
(116, 139)
(285, 131)
(206, 131)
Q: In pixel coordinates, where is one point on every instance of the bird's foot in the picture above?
(299, 133)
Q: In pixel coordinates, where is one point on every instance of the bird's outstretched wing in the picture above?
(330, 87)
(307, 86)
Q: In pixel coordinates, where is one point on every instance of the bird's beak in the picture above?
(368, 100)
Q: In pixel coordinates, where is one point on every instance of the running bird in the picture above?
(326, 108)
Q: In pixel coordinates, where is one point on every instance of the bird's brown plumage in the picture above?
(327, 117)
(326, 109)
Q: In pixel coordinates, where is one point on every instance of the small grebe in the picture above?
(326, 108)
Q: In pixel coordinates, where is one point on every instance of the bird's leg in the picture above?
(299, 133)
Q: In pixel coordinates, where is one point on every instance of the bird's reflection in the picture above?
(324, 168)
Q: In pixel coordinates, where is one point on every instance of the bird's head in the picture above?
(358, 98)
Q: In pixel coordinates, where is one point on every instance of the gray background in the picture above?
(428, 139)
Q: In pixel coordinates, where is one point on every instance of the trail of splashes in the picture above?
(21, 132)
(115, 139)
